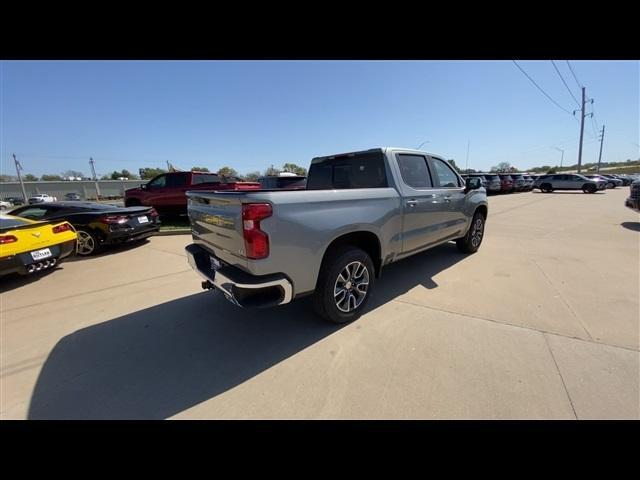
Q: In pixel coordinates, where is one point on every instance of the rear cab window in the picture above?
(414, 170)
(205, 178)
(353, 170)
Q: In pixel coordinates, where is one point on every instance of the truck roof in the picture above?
(378, 149)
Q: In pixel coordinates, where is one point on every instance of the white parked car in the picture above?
(4, 205)
(43, 197)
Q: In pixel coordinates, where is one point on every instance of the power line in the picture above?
(574, 74)
(538, 87)
(565, 83)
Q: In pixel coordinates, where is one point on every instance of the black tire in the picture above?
(546, 188)
(589, 189)
(472, 240)
(326, 302)
(88, 242)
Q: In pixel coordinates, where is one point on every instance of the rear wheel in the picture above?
(88, 243)
(589, 188)
(546, 188)
(344, 285)
(470, 243)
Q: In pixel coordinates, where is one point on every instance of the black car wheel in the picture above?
(470, 243)
(546, 188)
(88, 243)
(589, 189)
(344, 285)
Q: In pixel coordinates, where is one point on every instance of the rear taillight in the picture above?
(114, 219)
(256, 242)
(7, 239)
(65, 227)
(153, 212)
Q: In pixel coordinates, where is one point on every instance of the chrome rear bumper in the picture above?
(239, 287)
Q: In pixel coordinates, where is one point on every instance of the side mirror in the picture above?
(143, 186)
(472, 183)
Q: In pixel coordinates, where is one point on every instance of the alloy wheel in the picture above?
(86, 244)
(351, 287)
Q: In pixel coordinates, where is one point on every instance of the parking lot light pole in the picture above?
(562, 157)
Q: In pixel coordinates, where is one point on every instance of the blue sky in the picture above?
(249, 115)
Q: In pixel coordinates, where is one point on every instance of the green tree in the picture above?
(72, 173)
(149, 173)
(252, 176)
(293, 168)
(271, 171)
(227, 172)
(51, 178)
(199, 169)
(30, 178)
(552, 170)
(502, 167)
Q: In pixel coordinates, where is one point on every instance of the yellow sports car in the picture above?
(27, 246)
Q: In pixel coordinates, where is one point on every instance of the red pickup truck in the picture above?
(166, 192)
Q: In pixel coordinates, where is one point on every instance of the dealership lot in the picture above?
(543, 322)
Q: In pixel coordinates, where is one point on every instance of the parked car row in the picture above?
(504, 182)
(29, 240)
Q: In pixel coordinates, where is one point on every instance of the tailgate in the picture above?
(216, 223)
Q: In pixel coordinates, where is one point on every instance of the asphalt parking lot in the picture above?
(541, 323)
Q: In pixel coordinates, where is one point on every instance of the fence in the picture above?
(85, 188)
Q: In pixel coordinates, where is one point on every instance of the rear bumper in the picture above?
(239, 287)
(129, 236)
(24, 264)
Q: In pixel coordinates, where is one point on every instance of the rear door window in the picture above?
(414, 170)
(177, 180)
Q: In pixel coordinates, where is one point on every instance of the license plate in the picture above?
(40, 254)
(215, 263)
(143, 219)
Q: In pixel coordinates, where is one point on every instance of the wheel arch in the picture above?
(365, 240)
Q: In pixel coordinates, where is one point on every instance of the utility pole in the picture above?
(582, 115)
(601, 141)
(95, 179)
(18, 168)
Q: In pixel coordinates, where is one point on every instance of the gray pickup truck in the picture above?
(359, 212)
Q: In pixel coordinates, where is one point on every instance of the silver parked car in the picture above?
(494, 184)
(571, 181)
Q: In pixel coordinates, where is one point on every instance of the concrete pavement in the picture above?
(543, 323)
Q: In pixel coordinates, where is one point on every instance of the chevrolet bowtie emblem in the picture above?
(36, 234)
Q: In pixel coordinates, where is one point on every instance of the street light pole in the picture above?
(419, 146)
(562, 157)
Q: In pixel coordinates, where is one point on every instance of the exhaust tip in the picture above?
(30, 268)
(53, 262)
(39, 267)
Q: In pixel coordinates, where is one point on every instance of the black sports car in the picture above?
(97, 224)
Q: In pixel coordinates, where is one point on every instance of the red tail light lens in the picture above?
(256, 242)
(65, 227)
(114, 219)
(7, 239)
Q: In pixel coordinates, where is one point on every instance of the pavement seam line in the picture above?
(546, 341)
(95, 291)
(500, 322)
(564, 300)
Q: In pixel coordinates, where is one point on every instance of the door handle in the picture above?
(412, 203)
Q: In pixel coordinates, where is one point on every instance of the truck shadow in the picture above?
(157, 362)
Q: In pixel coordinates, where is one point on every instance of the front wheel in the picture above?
(589, 189)
(344, 285)
(470, 243)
